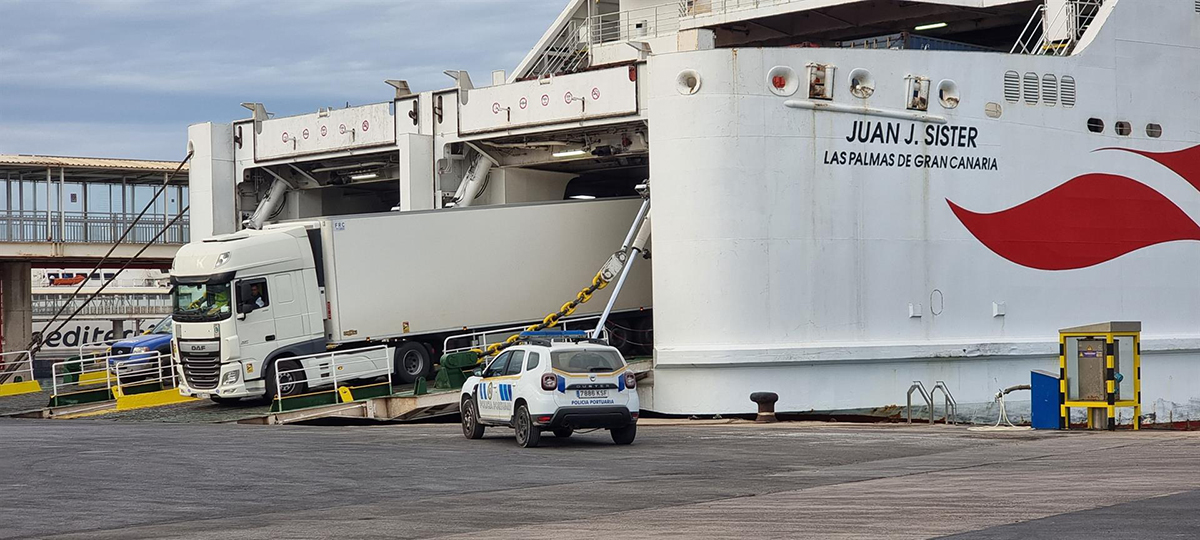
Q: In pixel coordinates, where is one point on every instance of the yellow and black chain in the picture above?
(552, 319)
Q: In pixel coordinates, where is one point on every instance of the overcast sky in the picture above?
(124, 78)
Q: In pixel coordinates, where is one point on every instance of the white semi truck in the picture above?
(247, 303)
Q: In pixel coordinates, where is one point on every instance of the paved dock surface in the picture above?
(106, 479)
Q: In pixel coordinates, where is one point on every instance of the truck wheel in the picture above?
(625, 434)
(472, 429)
(291, 383)
(528, 434)
(563, 432)
(413, 362)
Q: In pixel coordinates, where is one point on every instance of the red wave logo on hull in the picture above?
(1185, 163)
(1089, 220)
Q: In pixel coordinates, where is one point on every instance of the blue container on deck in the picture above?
(1045, 409)
(905, 40)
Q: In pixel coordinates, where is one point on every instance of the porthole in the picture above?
(1095, 125)
(1153, 131)
(1124, 128)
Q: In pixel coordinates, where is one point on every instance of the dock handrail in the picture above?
(11, 369)
(337, 361)
(152, 369)
(917, 386)
(91, 365)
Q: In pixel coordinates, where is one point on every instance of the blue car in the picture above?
(136, 356)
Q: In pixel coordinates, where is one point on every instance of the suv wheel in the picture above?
(471, 427)
(624, 435)
(528, 434)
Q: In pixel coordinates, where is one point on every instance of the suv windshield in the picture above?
(201, 302)
(586, 360)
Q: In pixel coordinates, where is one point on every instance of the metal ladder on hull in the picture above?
(951, 408)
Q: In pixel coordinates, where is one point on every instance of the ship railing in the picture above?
(1056, 32)
(635, 24)
(117, 305)
(566, 53)
(691, 8)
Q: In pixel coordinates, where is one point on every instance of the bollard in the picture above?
(766, 406)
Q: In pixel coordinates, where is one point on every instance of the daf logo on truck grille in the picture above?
(206, 346)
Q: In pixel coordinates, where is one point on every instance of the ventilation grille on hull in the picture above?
(1049, 89)
(1067, 87)
(1031, 88)
(1012, 86)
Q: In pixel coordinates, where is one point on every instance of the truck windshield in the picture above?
(586, 361)
(201, 301)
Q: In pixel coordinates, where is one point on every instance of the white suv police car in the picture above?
(557, 386)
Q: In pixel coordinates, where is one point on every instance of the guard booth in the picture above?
(1100, 370)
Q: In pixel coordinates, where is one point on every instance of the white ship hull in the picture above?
(836, 256)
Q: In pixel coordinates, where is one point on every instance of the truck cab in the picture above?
(243, 303)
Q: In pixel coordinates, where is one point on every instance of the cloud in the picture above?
(124, 68)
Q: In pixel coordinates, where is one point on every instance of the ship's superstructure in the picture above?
(846, 195)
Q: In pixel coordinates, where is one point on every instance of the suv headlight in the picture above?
(141, 349)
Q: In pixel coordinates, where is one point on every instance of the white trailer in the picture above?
(248, 302)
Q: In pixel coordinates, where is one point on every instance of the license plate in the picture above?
(592, 394)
